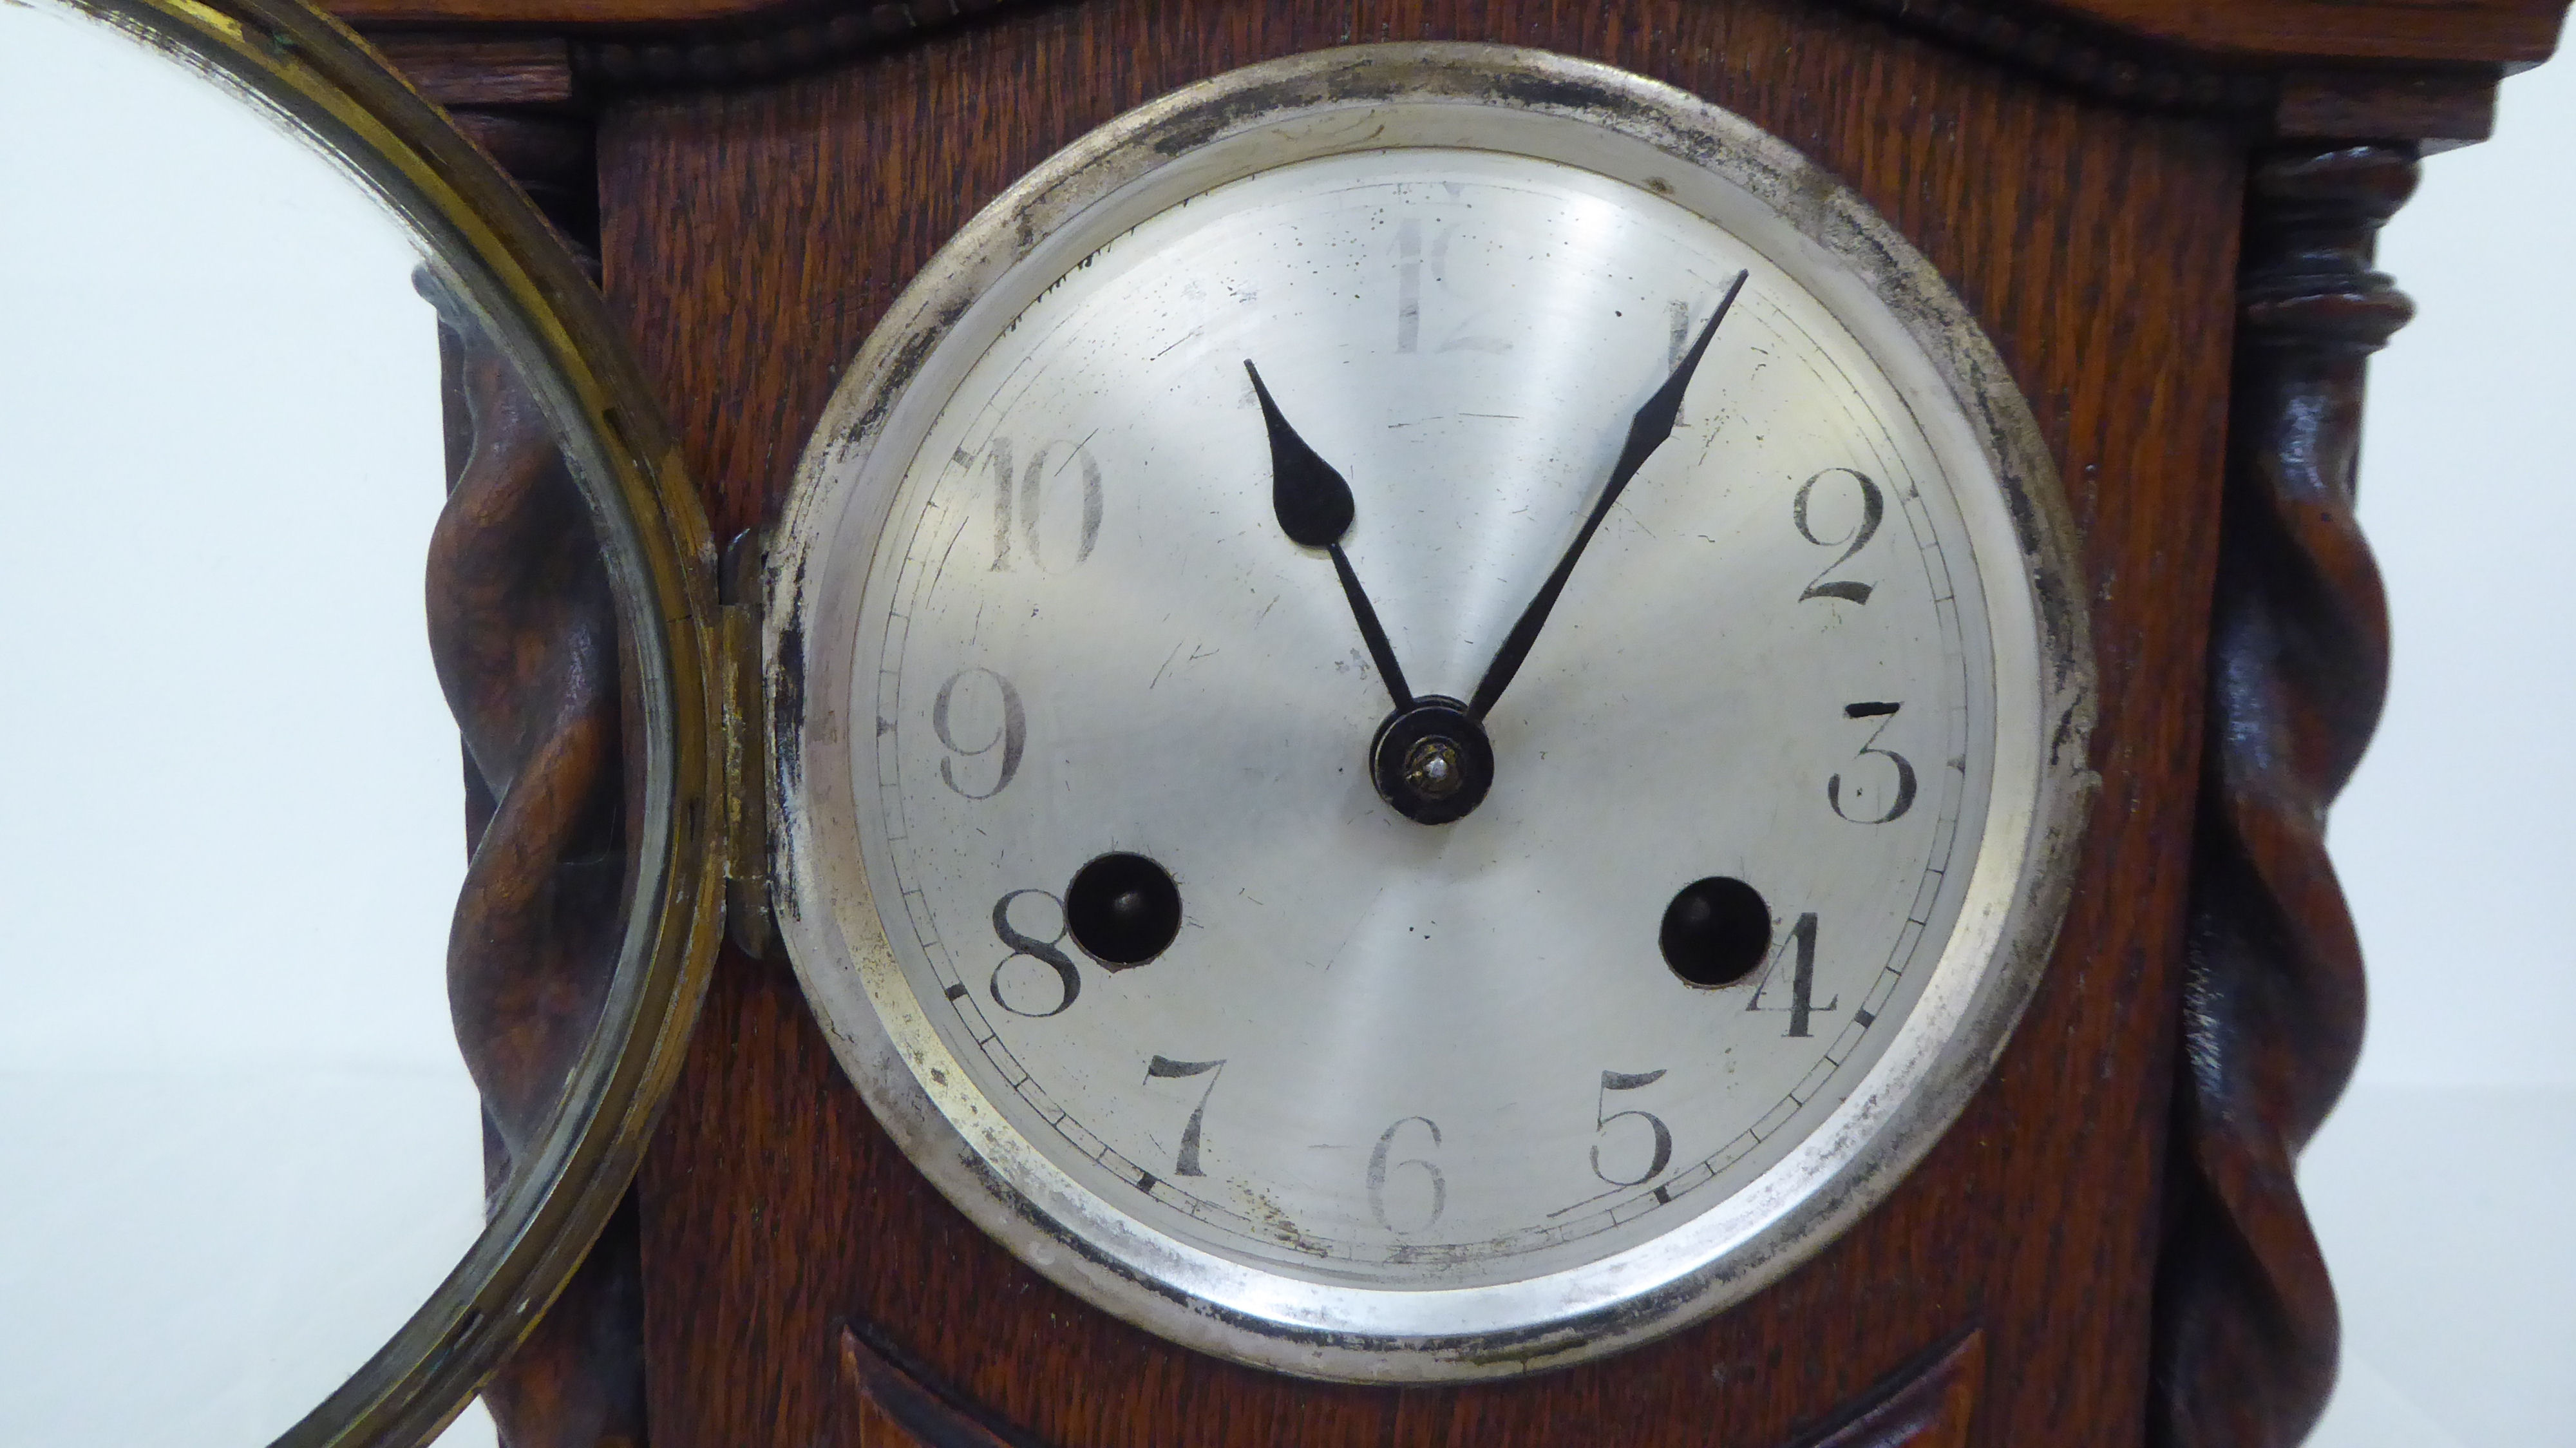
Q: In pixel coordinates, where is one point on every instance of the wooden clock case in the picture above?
(2162, 212)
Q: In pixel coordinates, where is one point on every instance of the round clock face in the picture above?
(1421, 744)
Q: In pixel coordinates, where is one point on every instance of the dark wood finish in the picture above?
(888, 1402)
(2339, 91)
(752, 236)
(2505, 32)
(524, 634)
(1927, 1405)
(455, 70)
(2501, 32)
(2444, 107)
(2298, 665)
(2301, 69)
(518, 99)
(550, 155)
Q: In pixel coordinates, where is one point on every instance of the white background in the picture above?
(230, 818)
(237, 1144)
(2442, 1186)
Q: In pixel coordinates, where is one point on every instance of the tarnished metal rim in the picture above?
(502, 261)
(1324, 101)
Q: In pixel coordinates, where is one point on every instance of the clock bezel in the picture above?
(1333, 102)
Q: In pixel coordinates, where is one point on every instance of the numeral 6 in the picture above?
(1378, 1172)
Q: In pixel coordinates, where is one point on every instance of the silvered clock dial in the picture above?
(1428, 718)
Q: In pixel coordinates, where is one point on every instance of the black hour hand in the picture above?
(1313, 504)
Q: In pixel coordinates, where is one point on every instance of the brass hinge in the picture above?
(747, 911)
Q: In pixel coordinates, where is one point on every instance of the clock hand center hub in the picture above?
(1431, 761)
(1433, 768)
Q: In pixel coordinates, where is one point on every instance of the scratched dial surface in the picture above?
(1378, 1052)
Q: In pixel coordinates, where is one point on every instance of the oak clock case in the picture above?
(569, 1029)
(1427, 719)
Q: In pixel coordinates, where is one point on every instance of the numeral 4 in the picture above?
(1800, 950)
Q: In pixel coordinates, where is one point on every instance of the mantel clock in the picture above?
(1445, 723)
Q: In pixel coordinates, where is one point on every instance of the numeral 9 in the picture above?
(1011, 733)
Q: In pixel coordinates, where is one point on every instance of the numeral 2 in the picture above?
(1800, 947)
(1165, 1068)
(1873, 511)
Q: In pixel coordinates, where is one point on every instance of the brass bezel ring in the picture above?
(319, 79)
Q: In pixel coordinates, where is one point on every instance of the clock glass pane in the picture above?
(1126, 832)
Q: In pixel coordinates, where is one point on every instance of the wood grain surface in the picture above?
(2420, 72)
(886, 1403)
(750, 238)
(530, 655)
(2508, 32)
(1932, 1404)
(2298, 664)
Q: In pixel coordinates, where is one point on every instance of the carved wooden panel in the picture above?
(752, 234)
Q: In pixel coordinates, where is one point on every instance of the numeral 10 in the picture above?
(1018, 499)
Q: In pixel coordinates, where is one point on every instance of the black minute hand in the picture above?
(1646, 432)
(1314, 508)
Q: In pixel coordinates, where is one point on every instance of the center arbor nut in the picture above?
(1431, 761)
(1432, 769)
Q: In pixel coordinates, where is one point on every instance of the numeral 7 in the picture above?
(1165, 1068)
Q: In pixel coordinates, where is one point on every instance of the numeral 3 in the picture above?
(1885, 714)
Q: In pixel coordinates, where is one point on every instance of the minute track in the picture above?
(1191, 698)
